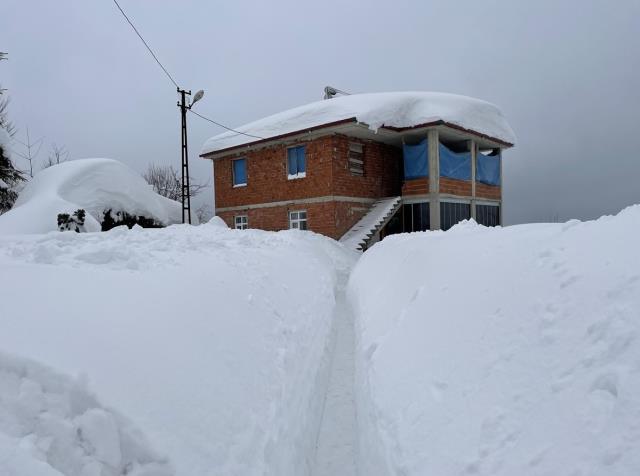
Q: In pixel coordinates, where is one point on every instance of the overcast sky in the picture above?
(565, 73)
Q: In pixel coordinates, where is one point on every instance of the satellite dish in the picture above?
(197, 96)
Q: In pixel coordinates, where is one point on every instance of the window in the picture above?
(452, 213)
(488, 215)
(298, 220)
(239, 172)
(356, 159)
(415, 217)
(296, 162)
(241, 222)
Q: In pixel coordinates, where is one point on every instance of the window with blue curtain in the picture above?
(415, 160)
(456, 165)
(239, 172)
(488, 168)
(296, 162)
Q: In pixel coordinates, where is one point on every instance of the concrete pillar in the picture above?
(473, 149)
(501, 184)
(434, 178)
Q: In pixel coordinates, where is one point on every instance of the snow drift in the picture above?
(214, 341)
(51, 426)
(501, 351)
(397, 109)
(96, 185)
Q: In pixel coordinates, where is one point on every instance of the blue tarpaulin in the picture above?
(415, 160)
(455, 165)
(488, 169)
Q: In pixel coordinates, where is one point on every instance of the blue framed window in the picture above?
(239, 172)
(296, 162)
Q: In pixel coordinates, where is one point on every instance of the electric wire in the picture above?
(146, 44)
(225, 127)
(171, 77)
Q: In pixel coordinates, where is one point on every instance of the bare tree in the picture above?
(56, 156)
(204, 213)
(32, 149)
(166, 182)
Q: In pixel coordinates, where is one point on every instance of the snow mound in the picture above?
(396, 109)
(217, 222)
(51, 426)
(95, 185)
(501, 351)
(215, 341)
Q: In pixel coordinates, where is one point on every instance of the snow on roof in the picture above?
(95, 185)
(397, 109)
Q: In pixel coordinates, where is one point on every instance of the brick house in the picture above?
(357, 168)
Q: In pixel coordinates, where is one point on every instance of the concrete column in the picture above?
(434, 178)
(501, 184)
(473, 149)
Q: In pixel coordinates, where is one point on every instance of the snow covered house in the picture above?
(359, 167)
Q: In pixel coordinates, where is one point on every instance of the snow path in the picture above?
(335, 449)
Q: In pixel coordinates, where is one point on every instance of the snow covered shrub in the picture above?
(123, 218)
(73, 222)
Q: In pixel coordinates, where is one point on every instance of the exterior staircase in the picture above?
(360, 234)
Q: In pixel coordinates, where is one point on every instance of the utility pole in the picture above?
(186, 191)
(185, 187)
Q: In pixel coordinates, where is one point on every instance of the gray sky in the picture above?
(565, 73)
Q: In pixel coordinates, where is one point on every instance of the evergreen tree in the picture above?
(9, 175)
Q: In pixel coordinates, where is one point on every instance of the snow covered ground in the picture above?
(215, 342)
(481, 351)
(95, 185)
(50, 425)
(495, 351)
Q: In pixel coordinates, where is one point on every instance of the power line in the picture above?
(223, 126)
(171, 77)
(146, 44)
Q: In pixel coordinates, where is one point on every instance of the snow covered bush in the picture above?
(74, 222)
(111, 219)
(501, 351)
(95, 185)
(50, 425)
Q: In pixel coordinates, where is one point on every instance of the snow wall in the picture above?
(225, 373)
(501, 351)
(50, 425)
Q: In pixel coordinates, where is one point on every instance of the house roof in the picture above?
(394, 111)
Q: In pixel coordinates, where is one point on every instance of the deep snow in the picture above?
(395, 109)
(95, 185)
(214, 341)
(479, 350)
(497, 351)
(50, 425)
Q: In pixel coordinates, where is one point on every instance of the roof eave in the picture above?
(439, 122)
(209, 155)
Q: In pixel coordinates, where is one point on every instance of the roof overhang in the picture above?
(351, 127)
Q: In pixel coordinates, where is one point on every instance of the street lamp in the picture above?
(186, 189)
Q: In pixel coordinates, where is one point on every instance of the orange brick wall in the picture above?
(330, 218)
(267, 175)
(382, 169)
(455, 186)
(487, 191)
(419, 186)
